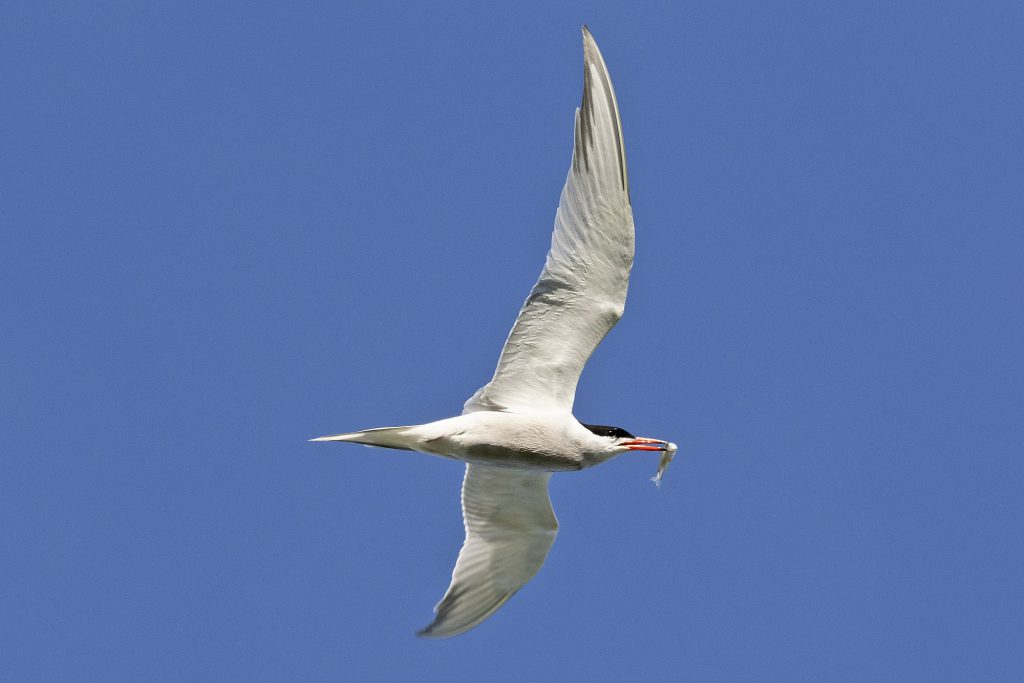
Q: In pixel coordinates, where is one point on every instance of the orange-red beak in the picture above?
(638, 444)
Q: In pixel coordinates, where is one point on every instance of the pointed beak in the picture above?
(638, 444)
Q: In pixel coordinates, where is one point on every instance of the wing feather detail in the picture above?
(581, 293)
(510, 527)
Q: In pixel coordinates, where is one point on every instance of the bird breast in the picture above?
(528, 441)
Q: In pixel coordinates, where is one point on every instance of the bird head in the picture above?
(620, 441)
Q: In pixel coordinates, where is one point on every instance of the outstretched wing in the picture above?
(510, 527)
(582, 290)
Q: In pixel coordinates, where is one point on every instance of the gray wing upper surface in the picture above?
(510, 527)
(581, 292)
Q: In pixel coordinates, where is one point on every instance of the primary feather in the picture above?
(581, 292)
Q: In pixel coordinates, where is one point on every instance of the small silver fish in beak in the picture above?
(666, 458)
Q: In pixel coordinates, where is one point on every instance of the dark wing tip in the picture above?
(447, 624)
(427, 632)
(600, 87)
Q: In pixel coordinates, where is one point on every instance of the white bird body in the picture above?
(518, 428)
(548, 442)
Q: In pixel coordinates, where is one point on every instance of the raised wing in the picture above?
(581, 292)
(510, 528)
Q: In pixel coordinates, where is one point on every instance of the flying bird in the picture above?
(519, 428)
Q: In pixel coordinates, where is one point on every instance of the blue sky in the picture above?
(228, 228)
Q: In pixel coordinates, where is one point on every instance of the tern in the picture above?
(519, 427)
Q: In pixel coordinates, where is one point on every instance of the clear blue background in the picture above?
(230, 227)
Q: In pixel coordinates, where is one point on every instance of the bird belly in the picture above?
(503, 439)
(488, 453)
(493, 454)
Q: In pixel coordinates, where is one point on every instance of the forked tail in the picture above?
(383, 437)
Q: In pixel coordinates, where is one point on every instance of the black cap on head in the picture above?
(613, 432)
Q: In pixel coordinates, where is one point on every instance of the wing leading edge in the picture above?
(581, 292)
(510, 527)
